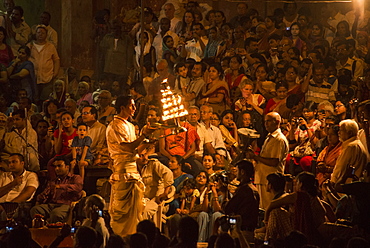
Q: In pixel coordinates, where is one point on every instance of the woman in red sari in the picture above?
(215, 93)
(274, 103)
(328, 157)
(234, 78)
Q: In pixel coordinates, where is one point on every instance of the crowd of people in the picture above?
(273, 150)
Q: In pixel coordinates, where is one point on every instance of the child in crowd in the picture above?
(189, 195)
(81, 150)
(182, 79)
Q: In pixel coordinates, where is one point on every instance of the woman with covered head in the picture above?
(84, 92)
(59, 92)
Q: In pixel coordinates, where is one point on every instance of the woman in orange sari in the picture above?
(328, 157)
(215, 93)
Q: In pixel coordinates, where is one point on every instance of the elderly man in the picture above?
(271, 158)
(157, 178)
(353, 152)
(262, 36)
(205, 138)
(169, 11)
(71, 106)
(154, 90)
(196, 84)
(105, 110)
(206, 112)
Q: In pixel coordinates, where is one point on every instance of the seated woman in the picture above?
(262, 85)
(302, 138)
(179, 177)
(216, 92)
(235, 77)
(342, 110)
(229, 131)
(249, 101)
(274, 104)
(59, 92)
(328, 157)
(215, 199)
(84, 93)
(307, 212)
(169, 51)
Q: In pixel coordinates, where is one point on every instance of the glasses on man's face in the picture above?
(192, 113)
(85, 113)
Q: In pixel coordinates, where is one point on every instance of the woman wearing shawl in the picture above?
(169, 51)
(21, 73)
(149, 51)
(84, 92)
(59, 92)
(216, 92)
(215, 45)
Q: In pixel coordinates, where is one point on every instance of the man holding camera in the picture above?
(245, 200)
(271, 158)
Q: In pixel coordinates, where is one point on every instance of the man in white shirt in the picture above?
(271, 158)
(205, 138)
(22, 139)
(18, 185)
(194, 48)
(163, 31)
(169, 11)
(215, 133)
(353, 152)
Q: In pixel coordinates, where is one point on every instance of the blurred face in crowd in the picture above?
(215, 121)
(162, 69)
(201, 179)
(205, 113)
(19, 122)
(247, 90)
(269, 23)
(16, 16)
(339, 108)
(294, 30)
(104, 99)
(234, 64)
(271, 124)
(152, 116)
(261, 31)
(9, 5)
(41, 34)
(183, 71)
(247, 120)
(15, 164)
(42, 128)
(333, 137)
(253, 47)
(67, 120)
(70, 106)
(308, 114)
(219, 18)
(319, 76)
(197, 30)
(58, 86)
(193, 116)
(196, 72)
(45, 19)
(169, 11)
(290, 75)
(169, 43)
(342, 52)
(52, 108)
(238, 33)
(281, 93)
(208, 162)
(165, 24)
(173, 164)
(316, 31)
(228, 120)
(87, 116)
(130, 109)
(242, 9)
(61, 169)
(188, 18)
(343, 134)
(261, 74)
(213, 74)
